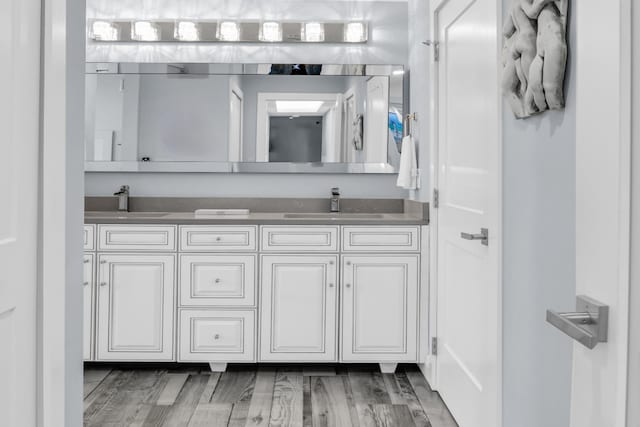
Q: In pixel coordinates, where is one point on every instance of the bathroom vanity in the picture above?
(273, 287)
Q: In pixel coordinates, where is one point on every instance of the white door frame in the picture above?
(235, 90)
(603, 197)
(61, 199)
(430, 369)
(262, 120)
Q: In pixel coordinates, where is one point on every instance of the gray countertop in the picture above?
(257, 218)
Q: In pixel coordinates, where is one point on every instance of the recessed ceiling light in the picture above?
(228, 31)
(105, 31)
(271, 32)
(187, 31)
(355, 32)
(298, 106)
(145, 31)
(313, 32)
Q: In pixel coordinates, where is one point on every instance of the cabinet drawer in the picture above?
(300, 239)
(217, 335)
(137, 237)
(217, 280)
(89, 237)
(218, 238)
(380, 239)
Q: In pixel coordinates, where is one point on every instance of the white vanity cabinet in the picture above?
(135, 306)
(379, 308)
(246, 293)
(299, 308)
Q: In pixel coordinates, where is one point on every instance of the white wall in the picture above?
(539, 258)
(387, 45)
(183, 118)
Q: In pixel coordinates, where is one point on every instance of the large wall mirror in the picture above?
(244, 117)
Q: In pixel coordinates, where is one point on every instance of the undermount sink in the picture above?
(333, 215)
(118, 214)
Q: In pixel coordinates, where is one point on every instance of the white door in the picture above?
(87, 318)
(603, 122)
(20, 124)
(376, 120)
(468, 285)
(379, 308)
(236, 106)
(299, 308)
(135, 307)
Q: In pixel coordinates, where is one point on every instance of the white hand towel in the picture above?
(407, 173)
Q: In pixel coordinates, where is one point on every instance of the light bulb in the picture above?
(145, 31)
(187, 31)
(105, 31)
(228, 31)
(355, 32)
(271, 32)
(313, 32)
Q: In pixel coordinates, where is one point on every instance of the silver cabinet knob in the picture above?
(348, 285)
(217, 280)
(104, 261)
(103, 283)
(331, 285)
(218, 239)
(348, 262)
(331, 263)
(216, 337)
(86, 283)
(87, 261)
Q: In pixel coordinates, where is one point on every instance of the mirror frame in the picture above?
(396, 74)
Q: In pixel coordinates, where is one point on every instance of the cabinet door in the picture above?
(299, 308)
(135, 307)
(379, 308)
(87, 318)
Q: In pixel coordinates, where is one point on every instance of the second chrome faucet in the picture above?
(123, 198)
(335, 200)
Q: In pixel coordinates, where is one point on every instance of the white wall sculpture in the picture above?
(535, 56)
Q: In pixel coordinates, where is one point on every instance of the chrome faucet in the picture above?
(335, 199)
(123, 198)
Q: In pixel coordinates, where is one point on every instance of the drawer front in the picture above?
(218, 238)
(217, 335)
(300, 239)
(381, 239)
(89, 237)
(217, 280)
(137, 238)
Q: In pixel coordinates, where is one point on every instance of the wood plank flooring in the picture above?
(260, 395)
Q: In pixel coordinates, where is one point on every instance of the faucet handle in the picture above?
(123, 190)
(335, 191)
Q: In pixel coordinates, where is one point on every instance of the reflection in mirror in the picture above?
(283, 114)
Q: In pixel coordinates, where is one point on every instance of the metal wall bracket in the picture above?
(588, 325)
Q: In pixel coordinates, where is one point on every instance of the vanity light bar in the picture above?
(227, 31)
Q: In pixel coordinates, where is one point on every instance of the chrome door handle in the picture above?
(483, 236)
(588, 325)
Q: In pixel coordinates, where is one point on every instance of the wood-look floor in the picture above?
(260, 395)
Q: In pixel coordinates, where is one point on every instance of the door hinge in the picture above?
(436, 198)
(436, 48)
(434, 346)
